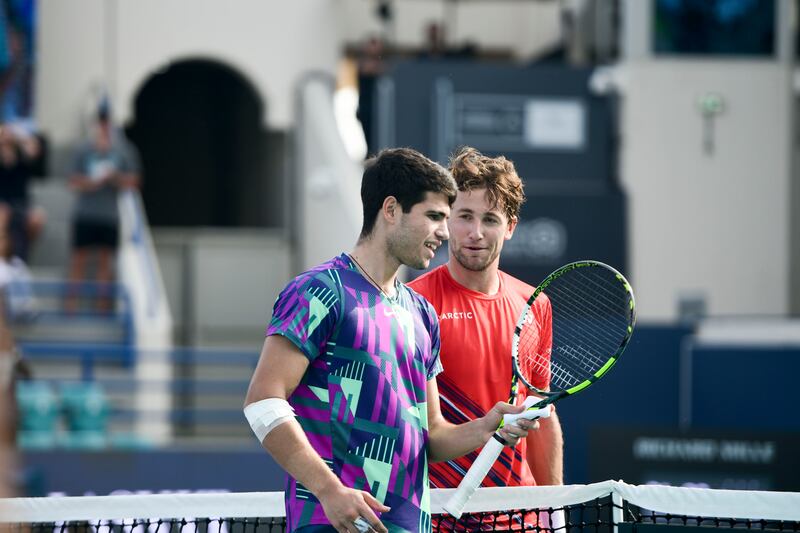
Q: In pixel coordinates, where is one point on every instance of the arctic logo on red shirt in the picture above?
(457, 315)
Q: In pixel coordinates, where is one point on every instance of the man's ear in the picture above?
(512, 225)
(390, 209)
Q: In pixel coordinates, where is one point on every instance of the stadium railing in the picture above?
(207, 386)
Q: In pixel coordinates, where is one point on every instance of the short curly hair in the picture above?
(473, 170)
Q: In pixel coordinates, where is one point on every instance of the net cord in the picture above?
(755, 505)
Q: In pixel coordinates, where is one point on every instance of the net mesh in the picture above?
(608, 507)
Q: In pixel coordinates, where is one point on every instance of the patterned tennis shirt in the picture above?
(363, 400)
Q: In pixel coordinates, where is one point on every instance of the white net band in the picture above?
(754, 505)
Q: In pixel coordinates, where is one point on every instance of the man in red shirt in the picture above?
(478, 306)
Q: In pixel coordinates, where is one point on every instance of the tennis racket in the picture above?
(593, 314)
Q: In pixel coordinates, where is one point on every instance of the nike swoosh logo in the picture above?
(388, 312)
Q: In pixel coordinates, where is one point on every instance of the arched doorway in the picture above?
(205, 155)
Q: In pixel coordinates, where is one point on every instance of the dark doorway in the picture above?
(205, 154)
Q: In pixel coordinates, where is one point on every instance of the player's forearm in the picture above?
(447, 441)
(290, 448)
(546, 452)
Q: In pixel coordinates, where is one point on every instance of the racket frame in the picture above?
(477, 472)
(548, 396)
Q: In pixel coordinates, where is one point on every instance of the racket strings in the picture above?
(606, 300)
(596, 294)
(591, 316)
(533, 361)
(592, 335)
(590, 320)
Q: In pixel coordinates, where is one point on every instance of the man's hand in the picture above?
(511, 433)
(343, 506)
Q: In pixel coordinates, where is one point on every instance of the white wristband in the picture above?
(266, 415)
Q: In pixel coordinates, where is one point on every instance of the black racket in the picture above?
(593, 314)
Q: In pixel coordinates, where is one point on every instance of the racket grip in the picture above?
(529, 414)
(489, 454)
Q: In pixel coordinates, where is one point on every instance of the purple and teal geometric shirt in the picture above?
(363, 399)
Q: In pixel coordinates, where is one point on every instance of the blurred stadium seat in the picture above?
(38, 409)
(86, 409)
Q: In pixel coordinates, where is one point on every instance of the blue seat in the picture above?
(38, 409)
(86, 409)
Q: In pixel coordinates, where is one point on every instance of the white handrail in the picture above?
(329, 181)
(152, 318)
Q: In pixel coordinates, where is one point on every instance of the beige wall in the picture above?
(718, 226)
(70, 63)
(715, 225)
(86, 44)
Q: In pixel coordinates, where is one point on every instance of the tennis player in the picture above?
(344, 395)
(478, 307)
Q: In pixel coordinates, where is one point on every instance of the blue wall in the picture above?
(105, 472)
(641, 389)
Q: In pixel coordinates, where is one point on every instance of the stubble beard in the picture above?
(474, 264)
(400, 247)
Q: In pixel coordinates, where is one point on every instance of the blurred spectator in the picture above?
(102, 168)
(436, 46)
(20, 159)
(17, 44)
(16, 291)
(12, 272)
(7, 424)
(12, 370)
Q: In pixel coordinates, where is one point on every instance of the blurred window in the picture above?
(714, 27)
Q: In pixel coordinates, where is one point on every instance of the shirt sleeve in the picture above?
(434, 366)
(307, 312)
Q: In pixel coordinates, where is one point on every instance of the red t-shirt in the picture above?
(476, 333)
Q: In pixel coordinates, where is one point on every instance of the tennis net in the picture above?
(607, 507)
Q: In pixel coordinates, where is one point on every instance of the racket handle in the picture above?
(531, 413)
(489, 454)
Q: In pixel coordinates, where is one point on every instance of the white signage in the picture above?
(555, 124)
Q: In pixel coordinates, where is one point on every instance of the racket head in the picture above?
(592, 312)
